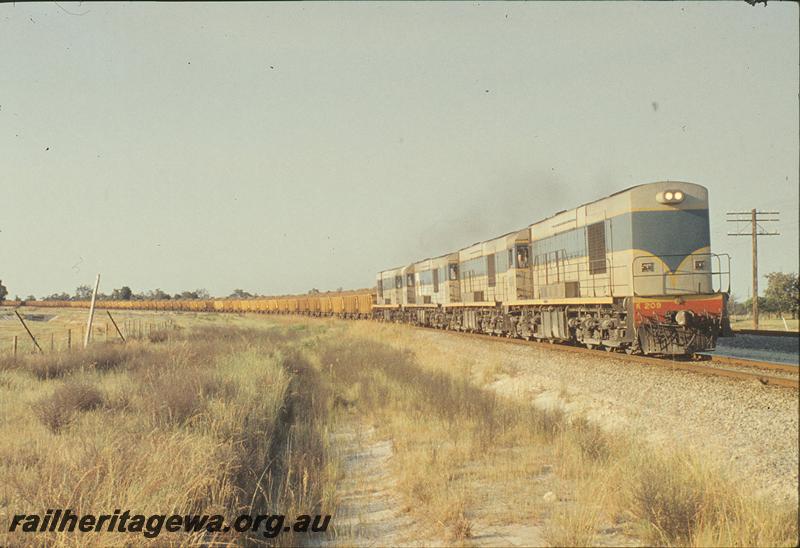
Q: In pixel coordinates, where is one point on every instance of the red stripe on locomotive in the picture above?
(649, 307)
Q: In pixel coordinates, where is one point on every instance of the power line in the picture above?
(753, 218)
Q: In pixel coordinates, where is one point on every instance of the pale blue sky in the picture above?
(279, 147)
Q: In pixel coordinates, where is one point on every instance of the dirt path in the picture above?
(370, 510)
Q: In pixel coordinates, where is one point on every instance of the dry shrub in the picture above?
(101, 357)
(58, 409)
(459, 528)
(668, 496)
(594, 442)
(682, 500)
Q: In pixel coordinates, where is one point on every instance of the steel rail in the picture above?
(756, 364)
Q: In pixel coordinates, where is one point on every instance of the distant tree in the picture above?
(240, 294)
(16, 298)
(57, 297)
(3, 291)
(189, 295)
(783, 293)
(124, 293)
(30, 298)
(202, 294)
(156, 295)
(747, 306)
(83, 293)
(313, 291)
(737, 307)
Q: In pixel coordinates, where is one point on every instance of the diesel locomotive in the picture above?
(631, 272)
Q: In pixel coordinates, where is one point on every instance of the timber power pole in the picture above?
(753, 218)
(88, 334)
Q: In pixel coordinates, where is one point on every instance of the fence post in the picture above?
(15, 347)
(52, 341)
(110, 317)
(35, 343)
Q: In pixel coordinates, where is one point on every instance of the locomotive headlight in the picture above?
(670, 197)
(683, 317)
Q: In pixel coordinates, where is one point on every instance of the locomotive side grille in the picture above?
(596, 242)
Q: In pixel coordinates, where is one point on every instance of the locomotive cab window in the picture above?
(648, 267)
(380, 288)
(522, 256)
(699, 265)
(398, 282)
(453, 276)
(409, 280)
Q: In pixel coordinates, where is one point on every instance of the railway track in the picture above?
(767, 333)
(746, 369)
(755, 364)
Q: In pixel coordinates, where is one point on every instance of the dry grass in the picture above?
(218, 420)
(775, 324)
(448, 433)
(457, 444)
(681, 500)
(226, 419)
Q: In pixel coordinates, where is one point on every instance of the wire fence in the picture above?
(71, 338)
